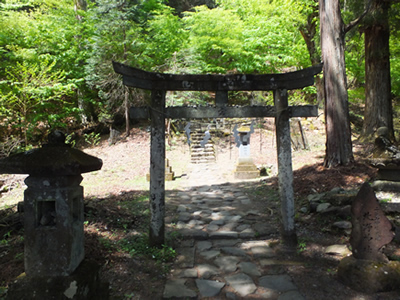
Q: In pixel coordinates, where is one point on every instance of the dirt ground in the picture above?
(113, 220)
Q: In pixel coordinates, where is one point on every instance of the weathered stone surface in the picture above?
(371, 228)
(209, 288)
(249, 268)
(369, 276)
(184, 216)
(212, 227)
(210, 254)
(185, 258)
(55, 158)
(247, 233)
(259, 249)
(338, 250)
(182, 207)
(243, 227)
(197, 234)
(323, 206)
(187, 273)
(242, 284)
(227, 263)
(225, 243)
(229, 227)
(218, 222)
(206, 271)
(203, 245)
(53, 205)
(342, 224)
(386, 185)
(280, 283)
(234, 251)
(262, 251)
(224, 235)
(176, 288)
(391, 207)
(53, 222)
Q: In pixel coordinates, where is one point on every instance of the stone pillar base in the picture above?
(246, 169)
(84, 283)
(169, 174)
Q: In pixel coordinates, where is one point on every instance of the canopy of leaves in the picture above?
(68, 50)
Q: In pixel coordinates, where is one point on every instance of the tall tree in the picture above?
(338, 132)
(378, 102)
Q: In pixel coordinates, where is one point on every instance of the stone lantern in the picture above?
(53, 205)
(245, 169)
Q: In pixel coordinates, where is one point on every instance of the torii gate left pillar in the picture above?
(157, 169)
(159, 83)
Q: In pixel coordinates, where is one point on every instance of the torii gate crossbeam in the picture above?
(159, 83)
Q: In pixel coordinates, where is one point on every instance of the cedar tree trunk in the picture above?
(378, 104)
(338, 132)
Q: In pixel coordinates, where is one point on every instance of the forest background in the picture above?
(56, 56)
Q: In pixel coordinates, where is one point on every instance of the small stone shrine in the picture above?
(368, 269)
(53, 223)
(245, 168)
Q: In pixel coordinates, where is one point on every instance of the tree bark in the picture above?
(309, 32)
(378, 104)
(338, 132)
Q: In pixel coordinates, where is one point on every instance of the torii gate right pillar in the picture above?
(285, 170)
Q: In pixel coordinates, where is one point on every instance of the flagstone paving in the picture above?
(224, 252)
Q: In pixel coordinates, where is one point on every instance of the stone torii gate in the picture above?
(159, 83)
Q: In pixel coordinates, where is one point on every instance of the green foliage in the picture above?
(216, 35)
(395, 50)
(139, 245)
(92, 138)
(35, 93)
(270, 41)
(357, 95)
(70, 140)
(74, 49)
(355, 60)
(120, 34)
(301, 247)
(40, 40)
(165, 36)
(6, 237)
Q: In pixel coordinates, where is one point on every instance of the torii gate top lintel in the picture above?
(212, 82)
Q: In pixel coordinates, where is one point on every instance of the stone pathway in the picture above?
(223, 254)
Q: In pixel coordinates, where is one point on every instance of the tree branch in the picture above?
(355, 22)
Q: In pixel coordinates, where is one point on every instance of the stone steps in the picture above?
(199, 154)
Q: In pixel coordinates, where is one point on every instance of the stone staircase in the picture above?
(199, 154)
